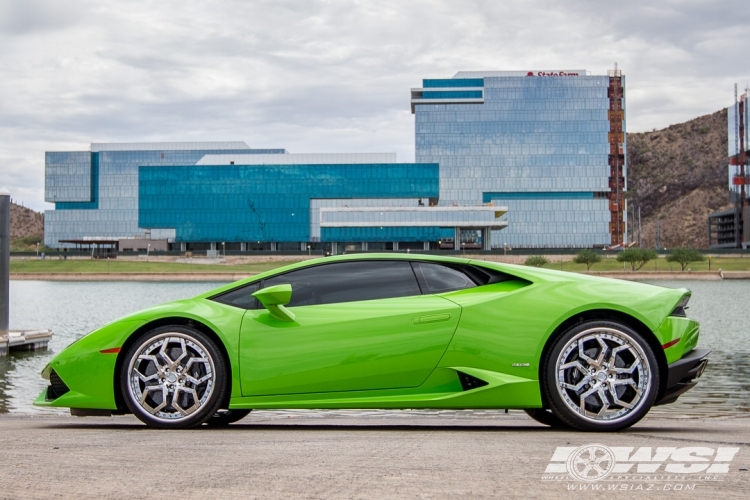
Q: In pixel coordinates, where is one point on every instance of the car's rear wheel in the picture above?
(545, 417)
(600, 376)
(226, 417)
(173, 377)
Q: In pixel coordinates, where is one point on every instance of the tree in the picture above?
(636, 257)
(685, 256)
(536, 261)
(588, 257)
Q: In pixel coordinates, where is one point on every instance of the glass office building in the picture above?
(95, 192)
(549, 145)
(198, 196)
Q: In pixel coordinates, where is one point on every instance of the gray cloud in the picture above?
(318, 76)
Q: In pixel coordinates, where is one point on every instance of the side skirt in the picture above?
(443, 389)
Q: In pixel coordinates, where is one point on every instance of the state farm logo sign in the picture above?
(662, 465)
(552, 73)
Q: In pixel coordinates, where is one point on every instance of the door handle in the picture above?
(431, 318)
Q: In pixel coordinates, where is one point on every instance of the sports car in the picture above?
(391, 331)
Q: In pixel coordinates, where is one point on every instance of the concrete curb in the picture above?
(660, 275)
(227, 277)
(230, 276)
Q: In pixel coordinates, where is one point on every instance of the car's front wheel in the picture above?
(173, 377)
(600, 376)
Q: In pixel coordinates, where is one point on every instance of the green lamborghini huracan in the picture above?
(391, 331)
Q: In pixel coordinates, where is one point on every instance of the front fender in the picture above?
(87, 371)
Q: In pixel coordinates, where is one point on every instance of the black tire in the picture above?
(545, 417)
(596, 361)
(225, 417)
(166, 387)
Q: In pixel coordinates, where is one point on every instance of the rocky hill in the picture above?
(26, 226)
(678, 175)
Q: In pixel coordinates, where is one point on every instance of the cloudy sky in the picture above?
(327, 76)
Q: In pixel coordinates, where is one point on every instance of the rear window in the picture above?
(437, 278)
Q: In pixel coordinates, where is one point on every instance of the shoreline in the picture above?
(227, 277)
(234, 276)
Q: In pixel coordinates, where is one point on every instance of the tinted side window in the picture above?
(240, 297)
(349, 282)
(438, 278)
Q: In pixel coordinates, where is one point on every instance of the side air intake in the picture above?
(469, 382)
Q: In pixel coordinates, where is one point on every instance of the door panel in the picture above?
(373, 344)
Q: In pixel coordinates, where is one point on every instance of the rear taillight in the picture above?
(681, 306)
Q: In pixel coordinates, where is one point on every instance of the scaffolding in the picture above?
(616, 138)
(740, 157)
(731, 228)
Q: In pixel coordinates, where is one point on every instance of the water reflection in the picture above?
(71, 309)
(721, 307)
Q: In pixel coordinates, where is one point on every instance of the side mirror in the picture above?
(274, 298)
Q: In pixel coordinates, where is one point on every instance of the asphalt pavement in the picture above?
(372, 454)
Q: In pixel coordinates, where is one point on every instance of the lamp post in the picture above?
(308, 250)
(4, 260)
(37, 250)
(224, 248)
(148, 251)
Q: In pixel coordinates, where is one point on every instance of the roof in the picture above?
(167, 146)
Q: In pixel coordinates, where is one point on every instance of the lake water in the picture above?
(72, 309)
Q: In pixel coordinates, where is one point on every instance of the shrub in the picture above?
(536, 261)
(588, 257)
(685, 256)
(29, 240)
(636, 257)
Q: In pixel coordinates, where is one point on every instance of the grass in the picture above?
(611, 264)
(121, 266)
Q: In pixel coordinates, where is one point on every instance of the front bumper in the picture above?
(682, 375)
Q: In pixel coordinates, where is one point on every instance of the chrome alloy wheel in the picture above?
(172, 376)
(603, 375)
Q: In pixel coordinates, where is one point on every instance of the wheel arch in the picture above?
(615, 316)
(171, 320)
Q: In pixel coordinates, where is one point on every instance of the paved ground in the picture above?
(408, 454)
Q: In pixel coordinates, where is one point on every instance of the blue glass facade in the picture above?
(96, 193)
(68, 176)
(385, 233)
(451, 94)
(539, 145)
(271, 203)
